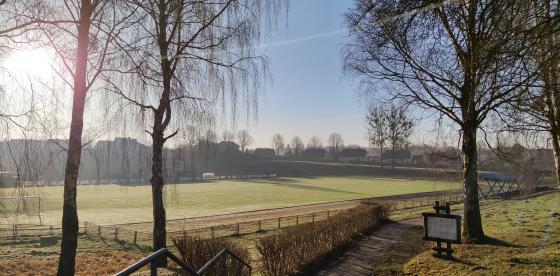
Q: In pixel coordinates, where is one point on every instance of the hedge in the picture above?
(301, 249)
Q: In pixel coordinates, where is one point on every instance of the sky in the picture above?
(309, 95)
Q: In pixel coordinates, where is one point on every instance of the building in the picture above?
(353, 155)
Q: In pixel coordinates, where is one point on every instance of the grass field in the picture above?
(523, 239)
(114, 204)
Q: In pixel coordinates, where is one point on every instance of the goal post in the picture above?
(21, 210)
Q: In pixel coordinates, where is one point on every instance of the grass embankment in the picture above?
(95, 257)
(114, 204)
(523, 239)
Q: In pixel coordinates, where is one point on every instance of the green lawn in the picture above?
(524, 239)
(112, 204)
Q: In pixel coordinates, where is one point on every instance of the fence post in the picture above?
(212, 232)
(14, 232)
(116, 233)
(278, 223)
(297, 220)
(99, 230)
(313, 218)
(259, 226)
(328, 213)
(85, 227)
(237, 230)
(51, 231)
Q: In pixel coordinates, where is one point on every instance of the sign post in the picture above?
(440, 228)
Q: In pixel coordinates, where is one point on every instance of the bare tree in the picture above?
(182, 58)
(377, 130)
(399, 129)
(79, 31)
(539, 110)
(296, 145)
(460, 58)
(315, 143)
(244, 139)
(336, 143)
(278, 143)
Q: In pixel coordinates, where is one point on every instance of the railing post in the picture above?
(135, 236)
(153, 268)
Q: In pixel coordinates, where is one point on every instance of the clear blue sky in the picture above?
(309, 95)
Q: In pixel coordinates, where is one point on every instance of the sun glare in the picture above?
(36, 63)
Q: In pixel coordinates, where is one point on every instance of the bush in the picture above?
(197, 252)
(301, 249)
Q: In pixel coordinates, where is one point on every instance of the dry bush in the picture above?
(197, 252)
(300, 249)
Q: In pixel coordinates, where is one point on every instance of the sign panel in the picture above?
(440, 227)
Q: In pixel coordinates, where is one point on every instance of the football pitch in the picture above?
(116, 204)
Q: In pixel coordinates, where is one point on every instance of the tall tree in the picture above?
(185, 56)
(335, 144)
(377, 121)
(244, 139)
(460, 58)
(399, 129)
(278, 143)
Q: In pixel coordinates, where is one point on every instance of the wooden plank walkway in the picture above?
(370, 250)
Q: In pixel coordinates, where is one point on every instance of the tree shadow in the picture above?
(292, 184)
(486, 240)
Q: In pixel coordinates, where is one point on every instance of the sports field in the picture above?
(114, 204)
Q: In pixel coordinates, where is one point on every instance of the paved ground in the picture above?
(370, 250)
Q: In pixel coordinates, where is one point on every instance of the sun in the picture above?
(35, 63)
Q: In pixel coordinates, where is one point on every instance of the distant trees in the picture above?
(390, 126)
(460, 58)
(296, 145)
(244, 139)
(399, 129)
(336, 143)
(278, 143)
(315, 143)
(377, 130)
(227, 136)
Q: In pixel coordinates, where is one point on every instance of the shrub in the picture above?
(301, 249)
(197, 252)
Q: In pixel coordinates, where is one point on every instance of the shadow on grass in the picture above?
(291, 184)
(495, 242)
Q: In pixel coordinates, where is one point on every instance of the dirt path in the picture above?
(370, 250)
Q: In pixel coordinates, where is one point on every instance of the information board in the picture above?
(441, 227)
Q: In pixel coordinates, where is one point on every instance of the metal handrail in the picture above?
(188, 268)
(223, 254)
(151, 258)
